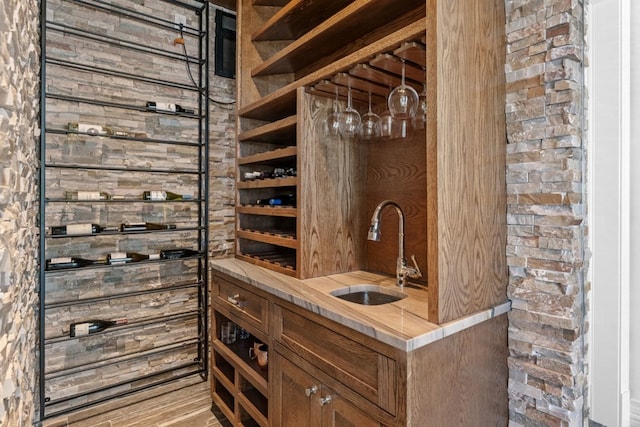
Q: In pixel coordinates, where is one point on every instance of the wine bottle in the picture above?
(136, 257)
(164, 195)
(142, 226)
(60, 263)
(280, 200)
(115, 258)
(87, 195)
(79, 229)
(177, 253)
(248, 176)
(78, 329)
(167, 107)
(90, 129)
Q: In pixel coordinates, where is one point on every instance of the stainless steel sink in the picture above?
(366, 294)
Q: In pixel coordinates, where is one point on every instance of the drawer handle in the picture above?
(311, 390)
(235, 300)
(325, 400)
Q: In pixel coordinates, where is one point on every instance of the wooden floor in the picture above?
(186, 403)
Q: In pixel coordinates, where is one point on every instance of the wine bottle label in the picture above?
(88, 195)
(81, 329)
(165, 106)
(118, 257)
(154, 256)
(91, 129)
(77, 229)
(157, 195)
(60, 260)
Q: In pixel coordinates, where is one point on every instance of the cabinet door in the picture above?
(296, 395)
(302, 400)
(338, 412)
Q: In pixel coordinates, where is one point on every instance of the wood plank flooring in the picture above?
(186, 403)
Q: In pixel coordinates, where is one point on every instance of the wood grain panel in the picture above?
(396, 171)
(330, 184)
(471, 143)
(462, 379)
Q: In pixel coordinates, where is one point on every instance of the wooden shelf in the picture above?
(274, 133)
(414, 52)
(237, 354)
(391, 64)
(253, 410)
(282, 102)
(272, 239)
(351, 23)
(289, 212)
(286, 265)
(296, 18)
(269, 156)
(268, 183)
(275, 106)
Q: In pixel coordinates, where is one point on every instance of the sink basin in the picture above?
(368, 294)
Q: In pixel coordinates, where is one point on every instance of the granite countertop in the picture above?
(402, 324)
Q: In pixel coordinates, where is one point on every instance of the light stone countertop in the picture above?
(402, 324)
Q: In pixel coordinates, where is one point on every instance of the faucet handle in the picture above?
(415, 272)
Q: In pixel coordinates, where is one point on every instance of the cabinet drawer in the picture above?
(362, 369)
(241, 301)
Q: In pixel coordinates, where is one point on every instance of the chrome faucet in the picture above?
(403, 270)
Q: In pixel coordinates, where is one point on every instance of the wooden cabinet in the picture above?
(448, 176)
(303, 400)
(459, 379)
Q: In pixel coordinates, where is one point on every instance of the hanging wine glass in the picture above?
(420, 120)
(403, 100)
(370, 127)
(349, 120)
(331, 123)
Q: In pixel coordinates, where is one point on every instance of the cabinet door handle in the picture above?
(311, 390)
(325, 400)
(235, 300)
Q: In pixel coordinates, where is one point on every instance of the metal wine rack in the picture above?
(102, 61)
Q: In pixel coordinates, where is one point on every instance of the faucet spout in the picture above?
(403, 270)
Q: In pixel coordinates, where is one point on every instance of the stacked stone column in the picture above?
(546, 212)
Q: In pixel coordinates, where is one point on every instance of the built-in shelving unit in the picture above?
(101, 138)
(303, 49)
(239, 385)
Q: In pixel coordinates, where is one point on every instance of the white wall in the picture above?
(614, 211)
(634, 382)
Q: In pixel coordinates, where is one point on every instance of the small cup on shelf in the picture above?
(228, 332)
(260, 352)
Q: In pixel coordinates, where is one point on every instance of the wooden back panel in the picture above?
(396, 171)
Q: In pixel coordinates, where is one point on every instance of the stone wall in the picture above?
(19, 106)
(546, 212)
